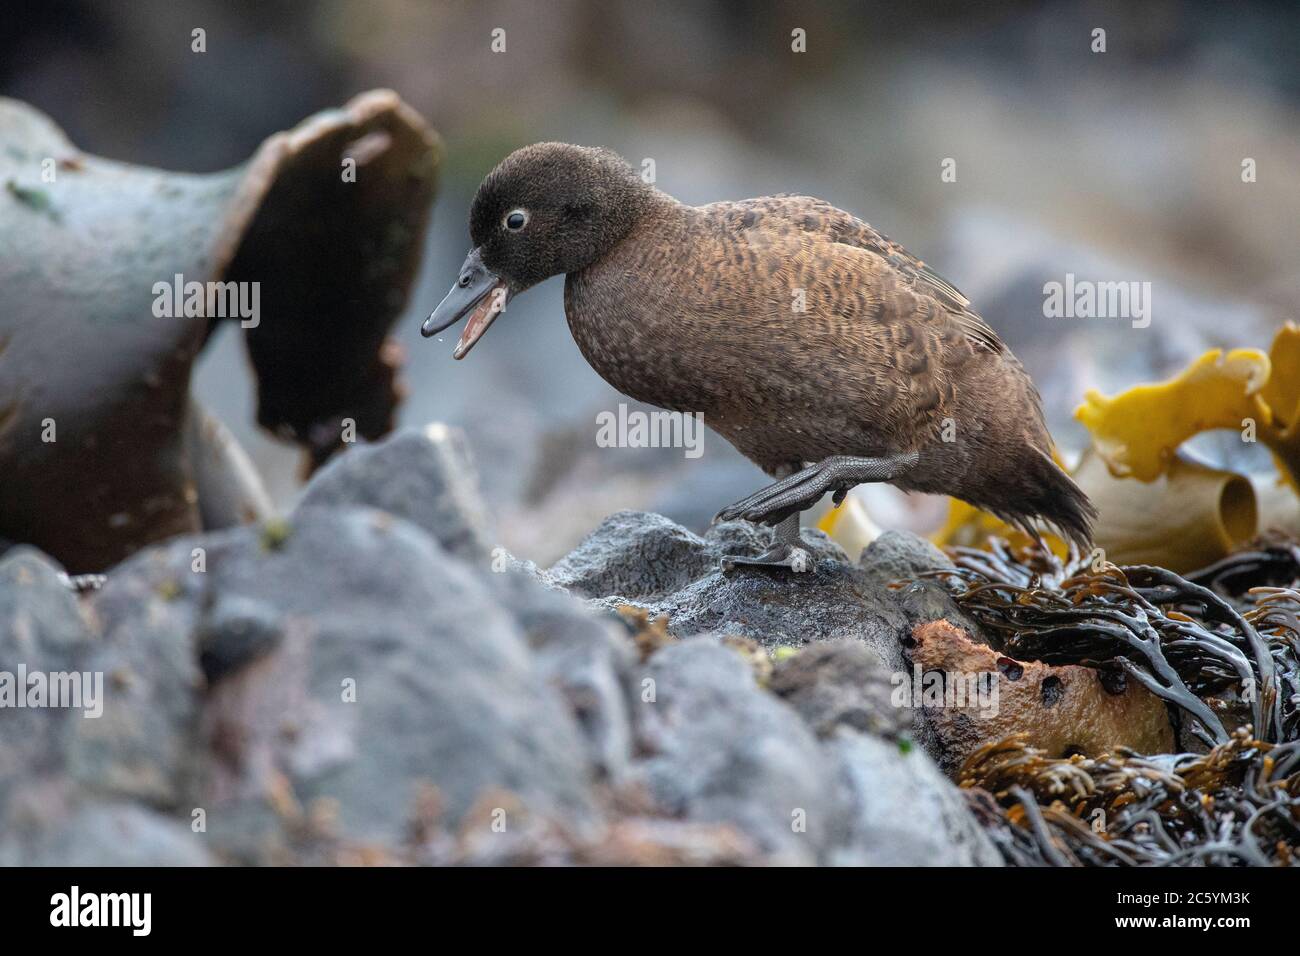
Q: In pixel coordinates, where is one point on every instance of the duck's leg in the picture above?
(800, 491)
(787, 550)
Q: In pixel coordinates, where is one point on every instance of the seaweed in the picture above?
(1220, 646)
(1204, 655)
(1239, 804)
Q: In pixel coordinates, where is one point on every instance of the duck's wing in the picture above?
(821, 218)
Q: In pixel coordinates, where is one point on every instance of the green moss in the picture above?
(275, 533)
(37, 199)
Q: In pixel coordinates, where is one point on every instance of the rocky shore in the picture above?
(369, 679)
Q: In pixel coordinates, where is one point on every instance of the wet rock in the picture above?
(423, 475)
(903, 810)
(721, 750)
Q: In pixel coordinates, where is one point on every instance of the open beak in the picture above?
(479, 293)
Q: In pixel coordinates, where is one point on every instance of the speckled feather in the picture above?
(798, 330)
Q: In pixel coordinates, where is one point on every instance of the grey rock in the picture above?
(586, 656)
(425, 476)
(65, 774)
(636, 556)
(105, 834)
(39, 614)
(840, 684)
(835, 600)
(904, 811)
(722, 750)
(680, 576)
(146, 745)
(901, 555)
(41, 630)
(396, 670)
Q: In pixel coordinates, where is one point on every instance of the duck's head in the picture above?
(547, 209)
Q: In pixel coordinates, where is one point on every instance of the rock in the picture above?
(120, 475)
(147, 744)
(635, 556)
(235, 631)
(1063, 710)
(77, 783)
(41, 630)
(588, 658)
(40, 620)
(649, 562)
(903, 811)
(337, 687)
(652, 564)
(903, 556)
(104, 834)
(721, 750)
(423, 475)
(395, 670)
(840, 684)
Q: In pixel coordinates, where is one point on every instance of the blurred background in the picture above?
(1117, 166)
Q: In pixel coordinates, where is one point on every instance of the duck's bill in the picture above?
(478, 293)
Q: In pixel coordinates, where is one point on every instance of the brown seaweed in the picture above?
(1238, 804)
(1221, 647)
(1184, 642)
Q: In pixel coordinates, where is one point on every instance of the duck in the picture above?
(825, 352)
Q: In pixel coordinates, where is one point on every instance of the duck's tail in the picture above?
(1044, 494)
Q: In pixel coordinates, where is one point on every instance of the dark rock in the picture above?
(636, 556)
(235, 631)
(682, 578)
(423, 475)
(903, 556)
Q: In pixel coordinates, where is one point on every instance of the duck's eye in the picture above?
(516, 219)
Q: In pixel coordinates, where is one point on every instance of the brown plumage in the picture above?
(798, 331)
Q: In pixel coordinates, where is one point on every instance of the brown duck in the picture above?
(823, 351)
